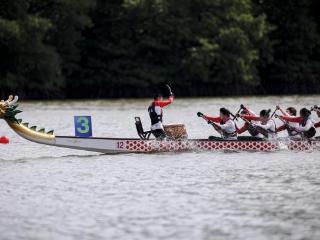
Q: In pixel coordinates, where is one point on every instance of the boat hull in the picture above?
(303, 146)
(118, 145)
(135, 145)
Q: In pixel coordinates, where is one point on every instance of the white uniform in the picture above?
(309, 124)
(229, 130)
(270, 126)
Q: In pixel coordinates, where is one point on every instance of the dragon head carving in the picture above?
(8, 108)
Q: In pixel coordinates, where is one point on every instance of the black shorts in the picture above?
(159, 134)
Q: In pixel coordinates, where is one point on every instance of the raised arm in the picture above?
(164, 103)
(282, 111)
(291, 119)
(212, 119)
(249, 117)
(249, 111)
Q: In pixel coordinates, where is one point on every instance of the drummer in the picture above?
(156, 114)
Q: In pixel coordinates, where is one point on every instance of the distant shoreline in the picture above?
(177, 98)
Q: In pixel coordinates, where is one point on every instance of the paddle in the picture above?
(235, 115)
(246, 109)
(170, 91)
(286, 123)
(274, 112)
(253, 127)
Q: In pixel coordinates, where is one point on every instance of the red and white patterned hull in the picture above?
(114, 145)
(304, 145)
(196, 145)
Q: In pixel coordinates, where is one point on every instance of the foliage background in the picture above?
(130, 48)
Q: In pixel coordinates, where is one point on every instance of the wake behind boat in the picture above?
(178, 142)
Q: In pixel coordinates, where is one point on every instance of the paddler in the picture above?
(222, 124)
(250, 118)
(317, 125)
(306, 127)
(156, 114)
(289, 126)
(267, 126)
(317, 110)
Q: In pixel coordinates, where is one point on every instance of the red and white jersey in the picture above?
(229, 130)
(309, 124)
(158, 105)
(270, 126)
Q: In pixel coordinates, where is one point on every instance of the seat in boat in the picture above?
(142, 134)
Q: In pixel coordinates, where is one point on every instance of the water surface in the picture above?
(56, 193)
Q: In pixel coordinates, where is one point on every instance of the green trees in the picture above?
(296, 65)
(228, 41)
(136, 45)
(125, 48)
(27, 63)
(38, 45)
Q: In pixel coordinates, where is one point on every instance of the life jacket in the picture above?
(154, 116)
(252, 130)
(311, 132)
(292, 132)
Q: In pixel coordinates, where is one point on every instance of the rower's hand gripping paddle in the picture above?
(199, 114)
(216, 126)
(235, 116)
(252, 127)
(284, 122)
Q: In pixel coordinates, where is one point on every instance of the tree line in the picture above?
(130, 48)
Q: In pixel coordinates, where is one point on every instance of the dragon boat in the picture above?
(178, 143)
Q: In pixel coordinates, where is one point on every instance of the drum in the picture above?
(176, 131)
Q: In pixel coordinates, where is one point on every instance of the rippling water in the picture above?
(55, 193)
